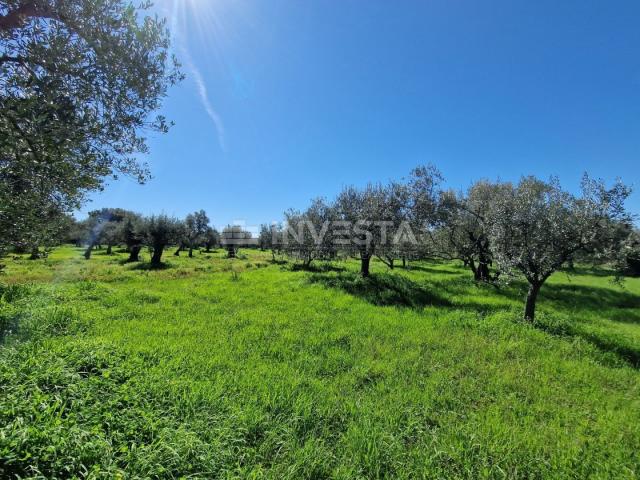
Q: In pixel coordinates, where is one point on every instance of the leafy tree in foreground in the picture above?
(161, 231)
(79, 81)
(536, 227)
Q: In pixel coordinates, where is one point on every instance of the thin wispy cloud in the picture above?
(204, 99)
(197, 77)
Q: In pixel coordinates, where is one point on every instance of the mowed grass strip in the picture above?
(217, 368)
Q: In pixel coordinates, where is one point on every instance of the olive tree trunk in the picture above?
(532, 297)
(134, 253)
(156, 259)
(365, 262)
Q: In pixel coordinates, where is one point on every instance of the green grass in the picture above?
(216, 368)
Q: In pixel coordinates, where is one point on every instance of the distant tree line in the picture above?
(108, 228)
(114, 227)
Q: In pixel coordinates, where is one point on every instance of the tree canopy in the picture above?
(79, 83)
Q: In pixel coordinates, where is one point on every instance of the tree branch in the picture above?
(16, 18)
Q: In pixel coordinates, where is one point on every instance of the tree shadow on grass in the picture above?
(382, 289)
(626, 316)
(593, 271)
(443, 270)
(317, 268)
(151, 267)
(571, 298)
(607, 344)
(126, 261)
(576, 300)
(423, 268)
(579, 297)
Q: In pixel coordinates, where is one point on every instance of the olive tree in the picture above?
(390, 220)
(631, 255)
(110, 236)
(395, 237)
(196, 225)
(192, 235)
(536, 227)
(462, 231)
(423, 214)
(132, 234)
(161, 231)
(265, 237)
(211, 239)
(79, 82)
(307, 234)
(272, 237)
(102, 227)
(358, 210)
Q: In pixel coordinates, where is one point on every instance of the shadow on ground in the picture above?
(382, 289)
(144, 266)
(606, 343)
(580, 297)
(439, 271)
(572, 301)
(317, 268)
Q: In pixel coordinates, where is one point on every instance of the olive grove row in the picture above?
(499, 230)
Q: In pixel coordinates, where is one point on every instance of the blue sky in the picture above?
(288, 100)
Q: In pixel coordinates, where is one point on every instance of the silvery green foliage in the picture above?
(424, 187)
(308, 234)
(160, 231)
(627, 261)
(265, 238)
(196, 225)
(462, 230)
(360, 209)
(79, 82)
(536, 226)
(396, 238)
(211, 238)
(132, 234)
(386, 220)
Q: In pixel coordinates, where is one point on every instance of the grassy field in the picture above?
(217, 368)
